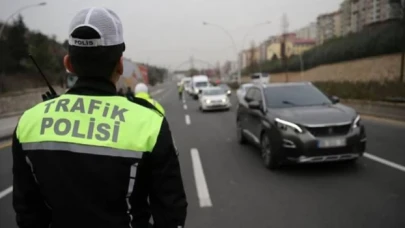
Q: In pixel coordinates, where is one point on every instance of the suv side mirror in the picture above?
(254, 105)
(335, 99)
(200, 91)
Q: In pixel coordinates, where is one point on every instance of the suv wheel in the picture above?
(239, 133)
(269, 158)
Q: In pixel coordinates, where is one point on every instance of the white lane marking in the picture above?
(385, 162)
(201, 183)
(6, 192)
(185, 107)
(188, 121)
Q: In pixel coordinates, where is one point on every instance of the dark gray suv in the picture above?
(296, 122)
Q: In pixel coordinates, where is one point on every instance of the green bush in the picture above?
(375, 40)
(372, 90)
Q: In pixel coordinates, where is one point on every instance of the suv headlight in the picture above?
(284, 125)
(207, 101)
(356, 122)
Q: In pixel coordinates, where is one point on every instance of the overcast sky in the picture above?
(168, 32)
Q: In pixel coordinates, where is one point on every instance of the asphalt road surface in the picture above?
(227, 185)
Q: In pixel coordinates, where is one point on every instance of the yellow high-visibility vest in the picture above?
(90, 124)
(147, 97)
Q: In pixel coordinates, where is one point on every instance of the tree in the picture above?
(284, 30)
(253, 64)
(16, 45)
(192, 72)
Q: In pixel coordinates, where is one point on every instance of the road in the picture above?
(227, 185)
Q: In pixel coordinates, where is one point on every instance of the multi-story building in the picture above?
(293, 46)
(307, 32)
(356, 14)
(328, 26)
(263, 50)
(346, 17)
(246, 57)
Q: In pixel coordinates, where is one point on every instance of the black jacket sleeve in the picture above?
(167, 197)
(29, 205)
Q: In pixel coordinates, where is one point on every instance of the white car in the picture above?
(214, 98)
(241, 92)
(186, 83)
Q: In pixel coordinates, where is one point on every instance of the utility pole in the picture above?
(192, 62)
(397, 8)
(283, 46)
(401, 73)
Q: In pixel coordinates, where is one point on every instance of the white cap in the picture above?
(104, 21)
(141, 88)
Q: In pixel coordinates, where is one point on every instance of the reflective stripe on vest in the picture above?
(81, 149)
(90, 124)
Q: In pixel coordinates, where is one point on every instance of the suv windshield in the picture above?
(201, 84)
(212, 92)
(294, 95)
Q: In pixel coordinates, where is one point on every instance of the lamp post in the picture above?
(234, 44)
(251, 30)
(18, 11)
(12, 15)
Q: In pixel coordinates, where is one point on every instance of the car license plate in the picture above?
(335, 142)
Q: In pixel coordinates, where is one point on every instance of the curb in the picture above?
(5, 138)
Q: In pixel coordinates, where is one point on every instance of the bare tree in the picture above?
(253, 64)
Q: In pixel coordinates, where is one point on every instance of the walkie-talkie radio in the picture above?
(49, 94)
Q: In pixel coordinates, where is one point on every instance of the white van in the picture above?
(259, 78)
(198, 83)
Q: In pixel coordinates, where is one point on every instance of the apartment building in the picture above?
(356, 14)
(328, 26)
(293, 46)
(307, 32)
(346, 17)
(246, 57)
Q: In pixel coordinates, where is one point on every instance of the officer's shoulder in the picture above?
(32, 112)
(145, 104)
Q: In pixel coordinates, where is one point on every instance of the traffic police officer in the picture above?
(91, 158)
(181, 88)
(142, 91)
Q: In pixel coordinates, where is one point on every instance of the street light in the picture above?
(247, 34)
(251, 30)
(18, 11)
(233, 43)
(12, 15)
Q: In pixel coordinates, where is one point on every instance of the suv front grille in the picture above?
(329, 131)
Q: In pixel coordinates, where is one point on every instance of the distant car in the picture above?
(259, 78)
(240, 93)
(214, 98)
(186, 83)
(296, 122)
(226, 88)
